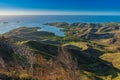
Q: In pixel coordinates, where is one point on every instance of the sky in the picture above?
(60, 7)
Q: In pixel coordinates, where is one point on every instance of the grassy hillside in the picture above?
(88, 51)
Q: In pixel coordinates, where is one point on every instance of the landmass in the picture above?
(87, 51)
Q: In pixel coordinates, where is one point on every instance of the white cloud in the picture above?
(51, 12)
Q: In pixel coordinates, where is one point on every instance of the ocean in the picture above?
(8, 23)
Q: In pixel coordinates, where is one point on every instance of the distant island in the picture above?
(87, 51)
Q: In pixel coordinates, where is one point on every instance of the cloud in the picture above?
(53, 12)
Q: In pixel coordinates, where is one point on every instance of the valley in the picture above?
(87, 51)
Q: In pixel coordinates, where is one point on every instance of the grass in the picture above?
(96, 58)
(114, 58)
(82, 45)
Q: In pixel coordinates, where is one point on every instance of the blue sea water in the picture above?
(40, 20)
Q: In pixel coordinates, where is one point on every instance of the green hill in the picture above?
(91, 53)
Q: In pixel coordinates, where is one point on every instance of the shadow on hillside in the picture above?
(91, 63)
(94, 52)
(85, 60)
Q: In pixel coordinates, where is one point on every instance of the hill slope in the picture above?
(89, 54)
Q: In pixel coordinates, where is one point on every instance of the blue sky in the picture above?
(61, 6)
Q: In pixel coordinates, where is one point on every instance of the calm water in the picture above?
(39, 21)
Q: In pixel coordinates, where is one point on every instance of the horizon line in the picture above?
(52, 12)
